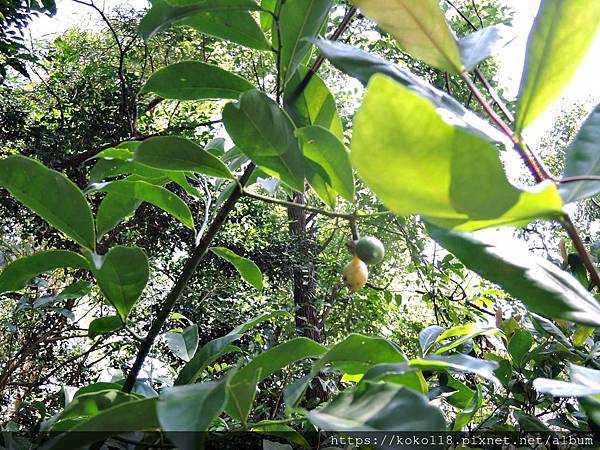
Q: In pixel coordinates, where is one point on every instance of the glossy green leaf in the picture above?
(527, 422)
(51, 195)
(327, 164)
(138, 415)
(220, 346)
(104, 325)
(122, 275)
(112, 210)
(453, 178)
(282, 430)
(363, 66)
(298, 20)
(246, 267)
(518, 346)
(543, 287)
(195, 80)
(16, 274)
(559, 40)
(267, 363)
(190, 409)
(466, 415)
(456, 362)
(141, 191)
(428, 337)
(583, 159)
(163, 13)
(420, 27)
(179, 154)
(379, 407)
(484, 43)
(235, 26)
(312, 104)
(463, 333)
(184, 344)
(355, 355)
(265, 133)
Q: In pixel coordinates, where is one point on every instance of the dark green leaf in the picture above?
(465, 416)
(328, 164)
(195, 80)
(179, 154)
(484, 43)
(235, 26)
(542, 286)
(190, 409)
(582, 160)
(530, 423)
(266, 364)
(247, 269)
(518, 346)
(379, 407)
(281, 429)
(138, 415)
(220, 346)
(184, 344)
(420, 27)
(16, 274)
(163, 14)
(50, 195)
(265, 133)
(104, 325)
(452, 177)
(122, 275)
(428, 337)
(560, 39)
(141, 191)
(298, 20)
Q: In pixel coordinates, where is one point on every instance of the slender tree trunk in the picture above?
(305, 284)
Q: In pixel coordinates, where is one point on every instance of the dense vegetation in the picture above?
(231, 216)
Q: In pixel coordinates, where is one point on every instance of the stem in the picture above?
(540, 173)
(187, 273)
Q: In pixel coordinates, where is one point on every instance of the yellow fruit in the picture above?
(355, 274)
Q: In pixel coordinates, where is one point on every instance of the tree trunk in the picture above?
(305, 284)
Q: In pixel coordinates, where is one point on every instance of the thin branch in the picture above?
(578, 178)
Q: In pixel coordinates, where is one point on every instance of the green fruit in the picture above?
(370, 250)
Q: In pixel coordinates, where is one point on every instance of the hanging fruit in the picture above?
(370, 250)
(355, 274)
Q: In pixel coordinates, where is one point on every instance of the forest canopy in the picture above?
(287, 224)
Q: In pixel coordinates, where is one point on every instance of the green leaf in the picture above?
(195, 80)
(112, 210)
(298, 20)
(558, 42)
(265, 133)
(456, 362)
(235, 26)
(582, 160)
(179, 154)
(267, 363)
(518, 346)
(463, 333)
(220, 346)
(51, 195)
(138, 415)
(379, 407)
(190, 409)
(363, 66)
(122, 275)
(538, 283)
(484, 43)
(428, 337)
(314, 105)
(246, 267)
(17, 274)
(133, 192)
(282, 430)
(528, 422)
(184, 344)
(86, 405)
(467, 414)
(453, 178)
(104, 325)
(420, 27)
(327, 164)
(163, 14)
(355, 355)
